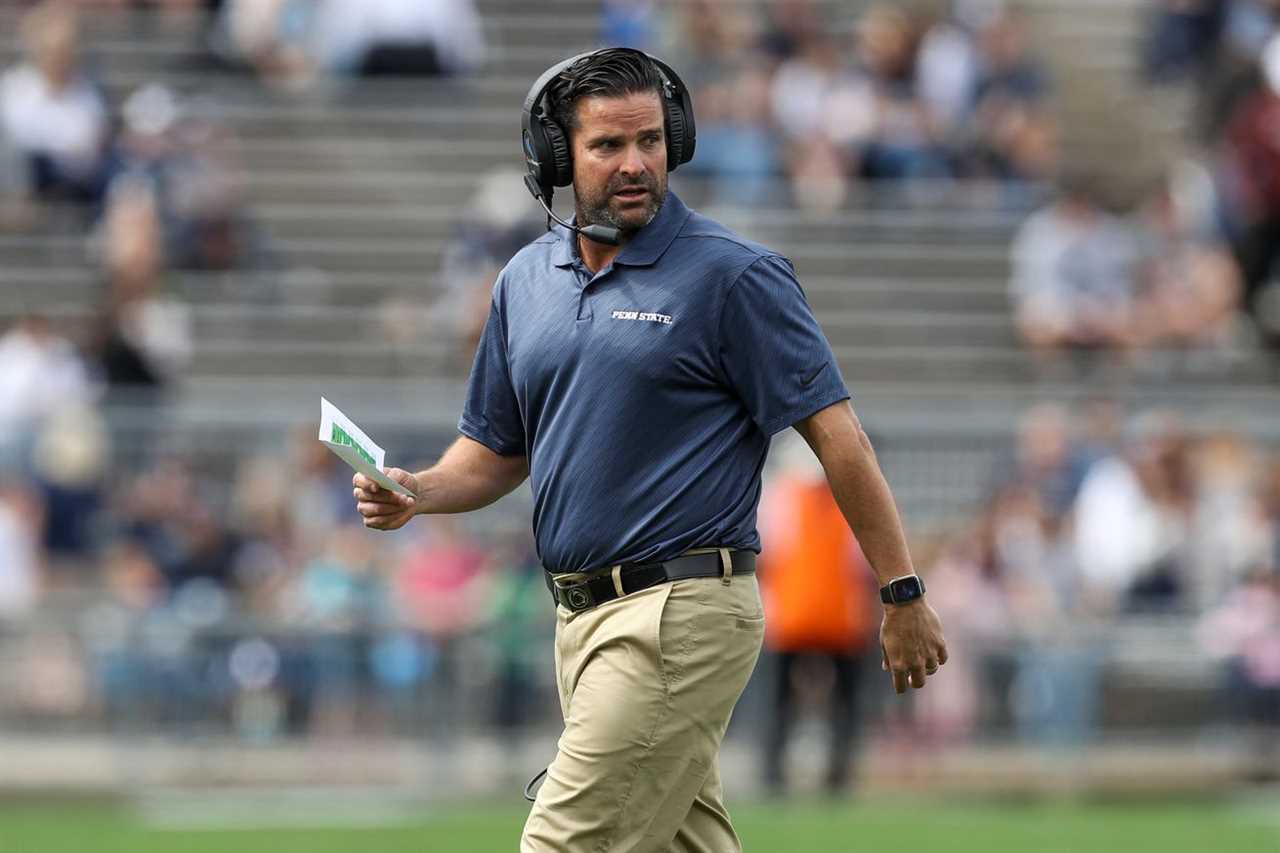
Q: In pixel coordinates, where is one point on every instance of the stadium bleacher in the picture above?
(358, 187)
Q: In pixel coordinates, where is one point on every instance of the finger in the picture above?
(942, 653)
(884, 659)
(930, 667)
(900, 681)
(386, 522)
(373, 509)
(917, 676)
(360, 481)
(382, 497)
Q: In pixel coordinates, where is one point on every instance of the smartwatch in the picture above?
(902, 590)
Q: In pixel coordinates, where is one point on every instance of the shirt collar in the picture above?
(644, 249)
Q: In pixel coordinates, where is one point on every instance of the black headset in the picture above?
(546, 144)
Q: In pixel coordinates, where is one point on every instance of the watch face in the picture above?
(907, 589)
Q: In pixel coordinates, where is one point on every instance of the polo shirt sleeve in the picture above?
(772, 350)
(491, 414)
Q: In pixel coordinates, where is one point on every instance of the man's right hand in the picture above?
(381, 508)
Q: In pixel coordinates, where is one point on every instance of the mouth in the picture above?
(631, 193)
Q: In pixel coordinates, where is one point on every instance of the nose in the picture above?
(632, 163)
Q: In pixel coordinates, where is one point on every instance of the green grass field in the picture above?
(809, 828)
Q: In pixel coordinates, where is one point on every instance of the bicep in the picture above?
(832, 428)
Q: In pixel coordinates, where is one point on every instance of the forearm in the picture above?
(469, 476)
(861, 491)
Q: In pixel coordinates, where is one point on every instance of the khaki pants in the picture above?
(647, 684)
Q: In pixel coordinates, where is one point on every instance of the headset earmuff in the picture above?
(548, 157)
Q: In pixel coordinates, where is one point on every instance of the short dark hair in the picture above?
(609, 73)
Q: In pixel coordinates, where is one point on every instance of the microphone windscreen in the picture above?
(602, 234)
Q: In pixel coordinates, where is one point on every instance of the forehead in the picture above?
(636, 111)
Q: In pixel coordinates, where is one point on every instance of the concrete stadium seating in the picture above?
(358, 189)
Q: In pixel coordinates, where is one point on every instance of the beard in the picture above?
(598, 209)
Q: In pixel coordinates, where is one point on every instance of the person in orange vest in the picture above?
(819, 610)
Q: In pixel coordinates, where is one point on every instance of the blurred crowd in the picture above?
(1157, 289)
(1192, 273)
(888, 94)
(1096, 523)
(1094, 520)
(263, 606)
(151, 188)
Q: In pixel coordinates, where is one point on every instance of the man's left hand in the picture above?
(911, 644)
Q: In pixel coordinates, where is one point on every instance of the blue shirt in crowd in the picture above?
(644, 396)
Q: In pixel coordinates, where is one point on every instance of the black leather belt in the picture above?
(633, 577)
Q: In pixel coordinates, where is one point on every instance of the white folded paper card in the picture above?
(340, 434)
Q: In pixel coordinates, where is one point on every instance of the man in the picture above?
(637, 386)
(816, 589)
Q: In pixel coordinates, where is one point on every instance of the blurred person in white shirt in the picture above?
(40, 373)
(51, 112)
(1133, 518)
(1074, 276)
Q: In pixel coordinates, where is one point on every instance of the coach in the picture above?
(634, 365)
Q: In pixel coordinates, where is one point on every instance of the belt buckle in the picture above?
(578, 597)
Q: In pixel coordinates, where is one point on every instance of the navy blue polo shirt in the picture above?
(644, 396)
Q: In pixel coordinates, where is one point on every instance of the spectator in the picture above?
(69, 467)
(1013, 137)
(819, 611)
(969, 589)
(52, 113)
(40, 373)
(789, 27)
(903, 141)
(500, 218)
(519, 615)
(21, 516)
(1133, 517)
(714, 41)
(208, 550)
(1182, 37)
(151, 507)
(1244, 632)
(1189, 285)
(823, 112)
(1057, 613)
(290, 43)
(1047, 462)
(1073, 277)
(185, 160)
(341, 600)
(441, 586)
(156, 325)
(740, 144)
(1231, 532)
(947, 75)
(374, 37)
(1251, 180)
(321, 491)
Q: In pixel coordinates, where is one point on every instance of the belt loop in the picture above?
(617, 580)
(726, 566)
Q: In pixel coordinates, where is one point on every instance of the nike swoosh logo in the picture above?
(805, 383)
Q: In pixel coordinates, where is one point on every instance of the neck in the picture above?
(595, 255)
